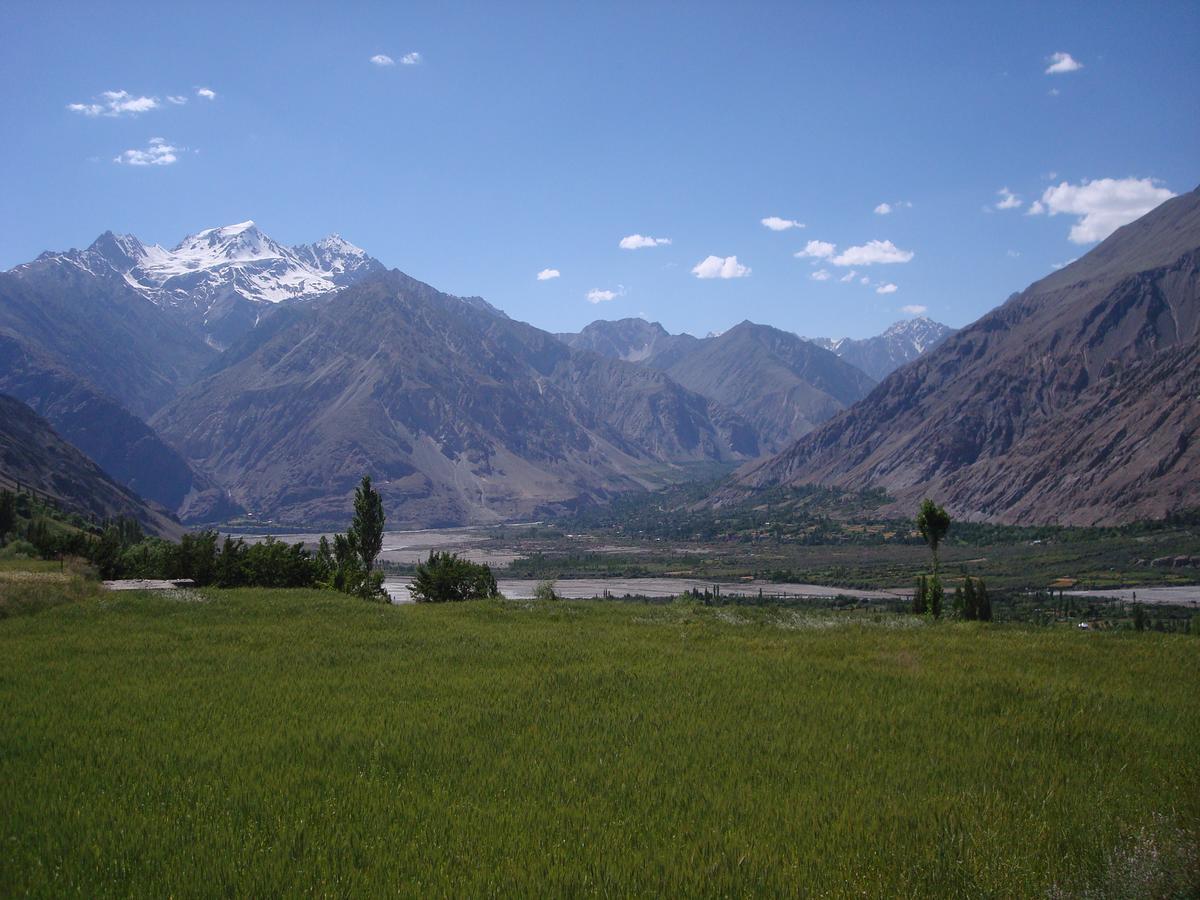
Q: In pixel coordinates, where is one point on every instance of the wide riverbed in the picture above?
(588, 588)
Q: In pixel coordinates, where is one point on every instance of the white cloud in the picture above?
(871, 253)
(820, 275)
(888, 288)
(116, 103)
(1103, 205)
(411, 59)
(1008, 200)
(720, 267)
(596, 295)
(157, 153)
(848, 277)
(382, 59)
(864, 280)
(176, 99)
(206, 93)
(1035, 208)
(1061, 63)
(547, 274)
(1053, 92)
(1063, 265)
(914, 309)
(1013, 253)
(817, 250)
(883, 209)
(777, 224)
(638, 241)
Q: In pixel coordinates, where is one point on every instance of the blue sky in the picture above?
(529, 137)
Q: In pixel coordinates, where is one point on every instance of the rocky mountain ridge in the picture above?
(1077, 401)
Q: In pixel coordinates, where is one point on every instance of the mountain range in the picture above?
(883, 354)
(462, 416)
(1076, 401)
(232, 375)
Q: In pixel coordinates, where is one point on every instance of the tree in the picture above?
(919, 595)
(933, 522)
(444, 578)
(970, 600)
(366, 529)
(983, 605)
(934, 596)
(8, 514)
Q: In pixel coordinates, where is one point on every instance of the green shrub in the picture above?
(445, 578)
(545, 591)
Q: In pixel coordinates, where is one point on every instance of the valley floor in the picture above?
(281, 742)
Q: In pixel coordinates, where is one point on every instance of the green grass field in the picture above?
(264, 743)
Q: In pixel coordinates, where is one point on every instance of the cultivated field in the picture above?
(259, 743)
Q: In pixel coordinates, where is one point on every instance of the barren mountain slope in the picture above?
(459, 414)
(1072, 402)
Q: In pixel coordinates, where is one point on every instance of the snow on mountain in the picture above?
(239, 259)
(217, 263)
(216, 278)
(902, 342)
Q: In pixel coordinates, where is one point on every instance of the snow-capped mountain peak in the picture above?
(217, 276)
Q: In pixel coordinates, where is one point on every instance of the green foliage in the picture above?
(18, 550)
(366, 529)
(444, 578)
(935, 596)
(349, 566)
(920, 601)
(1140, 617)
(933, 522)
(545, 591)
(297, 742)
(8, 515)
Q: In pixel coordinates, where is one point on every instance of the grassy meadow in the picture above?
(261, 742)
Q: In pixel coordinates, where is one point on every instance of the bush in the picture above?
(19, 550)
(445, 578)
(545, 591)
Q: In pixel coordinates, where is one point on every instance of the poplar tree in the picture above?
(933, 522)
(366, 529)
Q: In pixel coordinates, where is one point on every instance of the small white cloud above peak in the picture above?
(872, 253)
(382, 59)
(1008, 200)
(817, 250)
(548, 274)
(888, 288)
(639, 241)
(206, 93)
(1061, 63)
(176, 99)
(820, 275)
(883, 209)
(848, 277)
(720, 267)
(598, 295)
(157, 153)
(115, 103)
(775, 223)
(411, 59)
(914, 309)
(886, 209)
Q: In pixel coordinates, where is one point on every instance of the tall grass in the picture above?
(282, 742)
